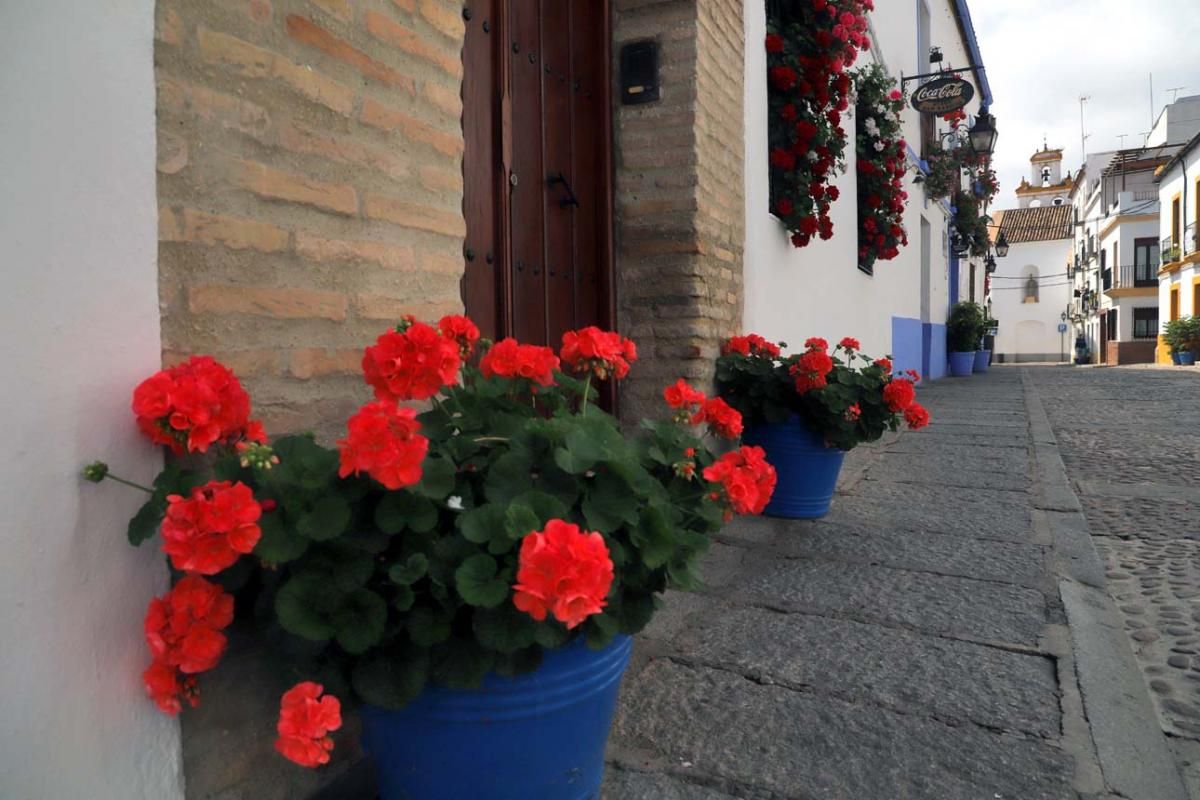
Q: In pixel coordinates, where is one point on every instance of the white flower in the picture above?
(454, 503)
(813, 157)
(881, 108)
(879, 147)
(871, 126)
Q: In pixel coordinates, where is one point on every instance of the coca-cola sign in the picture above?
(942, 96)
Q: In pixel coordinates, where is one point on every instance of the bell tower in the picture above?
(1045, 185)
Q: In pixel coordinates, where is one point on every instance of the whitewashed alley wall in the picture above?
(78, 327)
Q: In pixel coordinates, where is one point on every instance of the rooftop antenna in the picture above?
(1153, 118)
(1083, 137)
(1175, 92)
(1122, 137)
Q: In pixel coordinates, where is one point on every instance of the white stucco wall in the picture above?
(1029, 331)
(792, 294)
(78, 328)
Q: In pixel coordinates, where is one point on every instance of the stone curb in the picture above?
(1135, 759)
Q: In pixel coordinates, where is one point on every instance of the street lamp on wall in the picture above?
(983, 134)
(1002, 245)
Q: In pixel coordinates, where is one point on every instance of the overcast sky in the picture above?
(1041, 55)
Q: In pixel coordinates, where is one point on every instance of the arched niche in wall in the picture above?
(1030, 288)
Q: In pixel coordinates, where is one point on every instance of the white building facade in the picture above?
(901, 308)
(1179, 232)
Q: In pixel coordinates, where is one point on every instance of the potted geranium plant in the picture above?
(983, 354)
(1188, 340)
(807, 409)
(964, 330)
(470, 573)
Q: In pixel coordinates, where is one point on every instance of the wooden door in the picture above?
(536, 167)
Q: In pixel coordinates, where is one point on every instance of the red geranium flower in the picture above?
(461, 330)
(183, 627)
(783, 78)
(746, 477)
(811, 370)
(564, 571)
(774, 43)
(916, 416)
(682, 395)
(849, 343)
(305, 721)
(724, 420)
(207, 531)
(168, 692)
(194, 404)
(854, 413)
(413, 364)
(816, 343)
(509, 359)
(750, 345)
(885, 364)
(899, 394)
(603, 353)
(383, 440)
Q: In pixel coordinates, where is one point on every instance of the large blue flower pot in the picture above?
(1175, 359)
(539, 735)
(962, 364)
(1187, 359)
(983, 359)
(806, 470)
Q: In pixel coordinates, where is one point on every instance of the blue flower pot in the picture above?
(541, 734)
(1175, 359)
(1187, 359)
(962, 364)
(806, 470)
(983, 359)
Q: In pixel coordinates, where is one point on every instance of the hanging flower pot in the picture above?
(540, 734)
(806, 410)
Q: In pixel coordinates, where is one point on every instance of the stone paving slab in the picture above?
(800, 745)
(966, 519)
(952, 681)
(922, 551)
(624, 784)
(939, 604)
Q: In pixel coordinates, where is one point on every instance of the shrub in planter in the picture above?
(964, 330)
(807, 409)
(435, 551)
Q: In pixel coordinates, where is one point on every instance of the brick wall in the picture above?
(310, 187)
(1137, 352)
(679, 196)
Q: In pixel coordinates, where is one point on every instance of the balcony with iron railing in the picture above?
(1173, 252)
(1130, 276)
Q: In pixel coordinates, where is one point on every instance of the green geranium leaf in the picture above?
(504, 629)
(360, 621)
(437, 478)
(520, 520)
(518, 663)
(279, 543)
(482, 524)
(427, 627)
(550, 634)
(654, 537)
(508, 476)
(410, 571)
(609, 504)
(460, 663)
(392, 679)
(402, 509)
(145, 522)
(306, 605)
(405, 597)
(479, 584)
(326, 519)
(304, 463)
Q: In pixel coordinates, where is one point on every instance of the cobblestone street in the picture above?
(1130, 439)
(946, 632)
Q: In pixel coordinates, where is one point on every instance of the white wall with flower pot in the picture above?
(1029, 330)
(78, 327)
(791, 294)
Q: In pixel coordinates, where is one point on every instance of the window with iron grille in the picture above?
(1145, 323)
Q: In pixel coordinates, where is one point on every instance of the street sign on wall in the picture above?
(943, 95)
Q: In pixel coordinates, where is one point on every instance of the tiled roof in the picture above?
(1042, 224)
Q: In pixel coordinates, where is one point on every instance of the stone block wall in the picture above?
(679, 198)
(310, 187)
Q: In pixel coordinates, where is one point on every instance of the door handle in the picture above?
(570, 199)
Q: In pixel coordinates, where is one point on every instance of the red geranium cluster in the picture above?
(207, 531)
(693, 407)
(194, 405)
(900, 395)
(751, 345)
(508, 358)
(747, 479)
(383, 440)
(602, 353)
(183, 629)
(564, 571)
(882, 163)
(413, 362)
(305, 721)
(462, 330)
(809, 90)
(812, 369)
